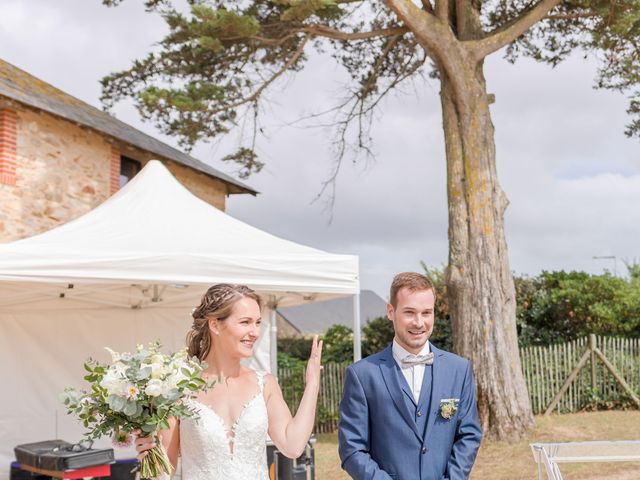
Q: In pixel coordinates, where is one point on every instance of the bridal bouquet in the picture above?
(137, 391)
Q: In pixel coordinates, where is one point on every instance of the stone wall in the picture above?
(209, 189)
(64, 170)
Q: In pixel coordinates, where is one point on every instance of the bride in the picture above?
(228, 441)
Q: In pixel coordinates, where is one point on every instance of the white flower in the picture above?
(157, 366)
(154, 388)
(172, 380)
(131, 391)
(118, 370)
(115, 381)
(115, 356)
(157, 370)
(114, 386)
(157, 358)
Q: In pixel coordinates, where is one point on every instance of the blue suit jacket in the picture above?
(378, 434)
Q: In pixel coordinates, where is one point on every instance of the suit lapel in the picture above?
(391, 377)
(403, 383)
(438, 378)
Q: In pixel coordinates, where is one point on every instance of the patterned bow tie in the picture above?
(411, 360)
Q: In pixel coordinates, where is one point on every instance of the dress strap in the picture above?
(260, 376)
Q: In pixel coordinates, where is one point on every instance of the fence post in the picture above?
(618, 377)
(567, 382)
(592, 347)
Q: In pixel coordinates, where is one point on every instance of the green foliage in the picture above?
(633, 268)
(338, 344)
(596, 400)
(206, 69)
(560, 306)
(247, 159)
(327, 414)
(221, 55)
(296, 347)
(376, 335)
(608, 29)
(300, 10)
(285, 360)
(218, 59)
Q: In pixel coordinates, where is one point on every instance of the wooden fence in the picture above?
(292, 384)
(545, 371)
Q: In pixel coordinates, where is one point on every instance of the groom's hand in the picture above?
(314, 366)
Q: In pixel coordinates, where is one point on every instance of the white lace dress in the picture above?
(211, 450)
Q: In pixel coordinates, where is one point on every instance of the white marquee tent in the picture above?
(129, 272)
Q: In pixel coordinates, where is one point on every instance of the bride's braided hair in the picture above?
(217, 303)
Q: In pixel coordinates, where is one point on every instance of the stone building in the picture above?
(61, 157)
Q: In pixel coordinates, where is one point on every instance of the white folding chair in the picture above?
(549, 455)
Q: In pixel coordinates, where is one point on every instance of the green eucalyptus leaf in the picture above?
(129, 408)
(148, 428)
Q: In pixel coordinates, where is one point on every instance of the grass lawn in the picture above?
(514, 461)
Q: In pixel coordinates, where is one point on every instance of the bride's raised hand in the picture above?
(314, 366)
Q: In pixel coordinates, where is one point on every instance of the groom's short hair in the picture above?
(411, 280)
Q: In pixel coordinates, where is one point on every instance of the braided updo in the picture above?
(216, 303)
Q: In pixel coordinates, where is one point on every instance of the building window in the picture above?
(129, 168)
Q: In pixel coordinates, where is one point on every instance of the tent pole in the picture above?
(357, 350)
(274, 337)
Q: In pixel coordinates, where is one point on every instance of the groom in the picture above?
(409, 412)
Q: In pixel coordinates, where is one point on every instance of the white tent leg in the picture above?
(357, 350)
(274, 339)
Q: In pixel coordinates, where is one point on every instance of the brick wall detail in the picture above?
(8, 150)
(114, 183)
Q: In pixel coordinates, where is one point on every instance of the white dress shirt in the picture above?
(412, 373)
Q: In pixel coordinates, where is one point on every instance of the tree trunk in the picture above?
(479, 280)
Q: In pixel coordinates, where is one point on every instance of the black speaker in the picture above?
(18, 474)
(283, 468)
(122, 469)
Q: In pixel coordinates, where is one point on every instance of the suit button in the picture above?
(424, 449)
(419, 413)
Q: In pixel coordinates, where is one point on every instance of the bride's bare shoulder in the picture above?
(271, 385)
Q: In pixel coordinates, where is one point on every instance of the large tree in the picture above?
(220, 58)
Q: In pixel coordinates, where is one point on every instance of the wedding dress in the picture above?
(211, 450)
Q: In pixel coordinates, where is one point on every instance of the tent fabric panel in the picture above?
(43, 352)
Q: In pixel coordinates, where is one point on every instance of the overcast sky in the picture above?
(572, 177)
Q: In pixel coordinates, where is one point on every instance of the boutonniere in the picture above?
(448, 407)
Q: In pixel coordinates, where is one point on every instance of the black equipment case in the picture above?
(283, 468)
(59, 455)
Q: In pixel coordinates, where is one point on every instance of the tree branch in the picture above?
(426, 6)
(376, 67)
(442, 10)
(430, 31)
(440, 43)
(329, 32)
(255, 95)
(571, 16)
(504, 36)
